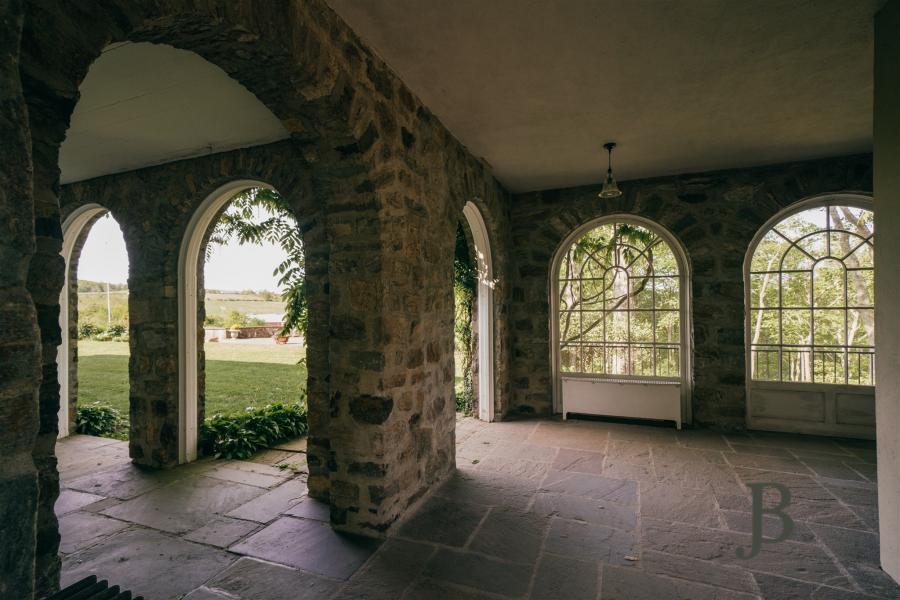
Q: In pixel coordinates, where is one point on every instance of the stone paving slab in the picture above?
(309, 545)
(391, 570)
(79, 530)
(157, 565)
(269, 505)
(72, 500)
(222, 532)
(250, 579)
(184, 505)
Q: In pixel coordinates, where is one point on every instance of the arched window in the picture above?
(812, 298)
(621, 312)
(811, 319)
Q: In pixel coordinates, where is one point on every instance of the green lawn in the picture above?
(237, 375)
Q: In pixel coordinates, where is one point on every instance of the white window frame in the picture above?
(809, 407)
(686, 328)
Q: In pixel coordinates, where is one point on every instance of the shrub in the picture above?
(239, 436)
(97, 419)
(117, 330)
(88, 330)
(213, 321)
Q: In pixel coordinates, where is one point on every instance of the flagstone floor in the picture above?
(537, 509)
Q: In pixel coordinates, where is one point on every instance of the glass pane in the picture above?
(795, 327)
(828, 283)
(796, 289)
(664, 260)
(642, 326)
(764, 363)
(796, 226)
(861, 327)
(642, 360)
(861, 367)
(816, 245)
(642, 292)
(569, 326)
(862, 256)
(829, 327)
(796, 364)
(667, 364)
(667, 292)
(668, 325)
(861, 288)
(637, 263)
(568, 359)
(593, 360)
(843, 243)
(592, 326)
(768, 253)
(592, 297)
(796, 260)
(616, 327)
(828, 366)
(764, 290)
(764, 327)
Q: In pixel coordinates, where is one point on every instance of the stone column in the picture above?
(887, 278)
(19, 348)
(153, 336)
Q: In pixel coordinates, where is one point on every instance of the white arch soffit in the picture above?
(188, 259)
(486, 283)
(684, 285)
(72, 228)
(859, 199)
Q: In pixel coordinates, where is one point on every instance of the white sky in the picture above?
(231, 267)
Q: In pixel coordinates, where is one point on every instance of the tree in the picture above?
(258, 215)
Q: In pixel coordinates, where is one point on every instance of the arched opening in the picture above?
(93, 318)
(474, 290)
(811, 319)
(620, 324)
(230, 332)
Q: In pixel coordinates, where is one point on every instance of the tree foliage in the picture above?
(260, 215)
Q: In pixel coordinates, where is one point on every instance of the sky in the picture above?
(231, 267)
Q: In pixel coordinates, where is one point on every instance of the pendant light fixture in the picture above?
(610, 187)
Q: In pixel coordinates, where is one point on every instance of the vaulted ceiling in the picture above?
(536, 86)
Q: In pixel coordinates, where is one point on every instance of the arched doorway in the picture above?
(620, 322)
(76, 228)
(485, 310)
(810, 319)
(192, 259)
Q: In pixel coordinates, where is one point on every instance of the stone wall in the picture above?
(715, 216)
(19, 348)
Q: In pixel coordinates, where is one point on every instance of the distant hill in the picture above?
(85, 285)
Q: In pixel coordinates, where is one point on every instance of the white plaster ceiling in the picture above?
(144, 104)
(536, 87)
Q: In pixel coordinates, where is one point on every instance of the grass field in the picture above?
(237, 375)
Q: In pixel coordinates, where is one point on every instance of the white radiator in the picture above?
(621, 398)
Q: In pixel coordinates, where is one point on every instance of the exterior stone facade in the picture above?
(715, 216)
